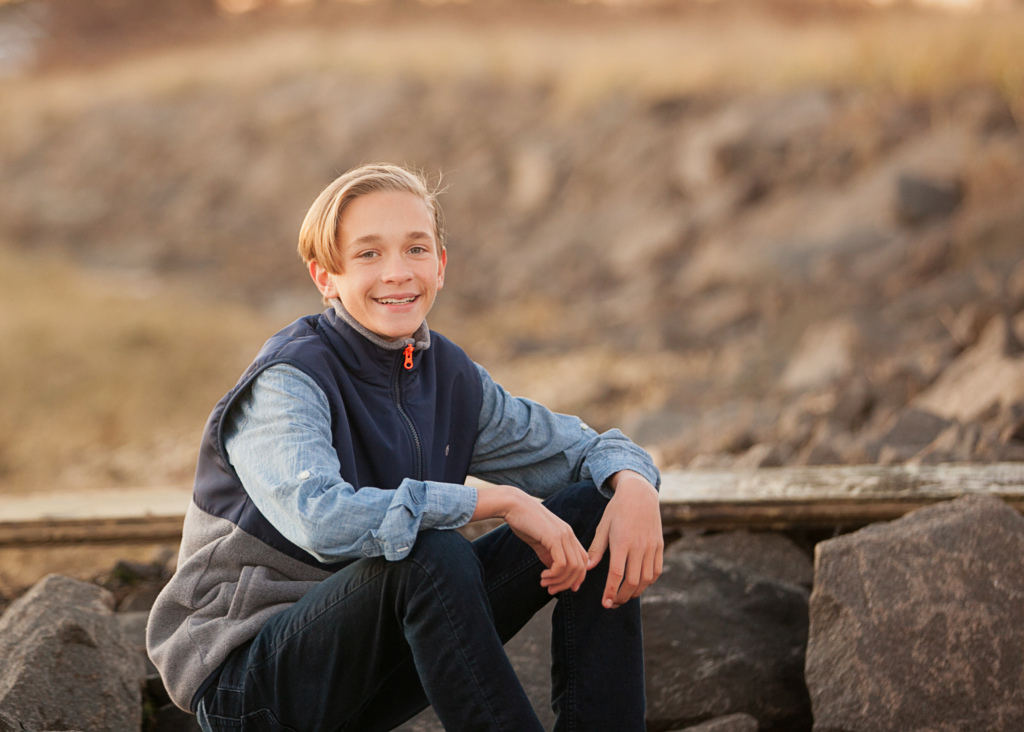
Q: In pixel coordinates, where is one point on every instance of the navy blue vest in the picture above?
(389, 423)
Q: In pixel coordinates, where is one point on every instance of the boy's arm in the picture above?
(522, 443)
(278, 439)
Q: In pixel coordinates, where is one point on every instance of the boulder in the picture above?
(920, 199)
(955, 444)
(764, 552)
(825, 354)
(10, 724)
(918, 624)
(909, 432)
(133, 625)
(67, 664)
(990, 373)
(171, 719)
(729, 723)
(763, 455)
(721, 639)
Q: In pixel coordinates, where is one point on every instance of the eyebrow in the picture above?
(375, 238)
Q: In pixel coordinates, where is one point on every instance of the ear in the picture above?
(442, 262)
(323, 280)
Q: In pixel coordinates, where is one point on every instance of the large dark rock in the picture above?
(909, 432)
(918, 624)
(10, 724)
(922, 199)
(764, 552)
(730, 723)
(66, 662)
(721, 639)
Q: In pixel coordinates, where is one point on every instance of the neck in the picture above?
(420, 340)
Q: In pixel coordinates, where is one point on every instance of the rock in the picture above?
(141, 598)
(130, 573)
(954, 445)
(67, 663)
(764, 552)
(968, 324)
(532, 178)
(721, 639)
(853, 405)
(760, 456)
(921, 199)
(9, 723)
(730, 723)
(133, 625)
(988, 374)
(918, 624)
(824, 355)
(819, 453)
(1015, 284)
(171, 719)
(711, 461)
(908, 433)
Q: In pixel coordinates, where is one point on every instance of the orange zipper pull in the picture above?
(408, 357)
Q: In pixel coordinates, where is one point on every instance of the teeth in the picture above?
(389, 301)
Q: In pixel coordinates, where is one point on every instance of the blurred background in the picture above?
(747, 232)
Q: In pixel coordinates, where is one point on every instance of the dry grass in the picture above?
(107, 383)
(906, 51)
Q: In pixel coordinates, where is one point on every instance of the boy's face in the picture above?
(391, 268)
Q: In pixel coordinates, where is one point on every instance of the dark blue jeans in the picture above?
(374, 644)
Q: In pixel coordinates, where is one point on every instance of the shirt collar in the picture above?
(420, 340)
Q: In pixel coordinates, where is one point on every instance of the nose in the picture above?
(396, 270)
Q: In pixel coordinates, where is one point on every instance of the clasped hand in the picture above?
(630, 530)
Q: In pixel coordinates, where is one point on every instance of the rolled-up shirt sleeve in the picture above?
(522, 443)
(278, 439)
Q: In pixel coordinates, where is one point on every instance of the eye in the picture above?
(418, 249)
(366, 255)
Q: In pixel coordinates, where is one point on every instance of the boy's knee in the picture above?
(580, 505)
(443, 551)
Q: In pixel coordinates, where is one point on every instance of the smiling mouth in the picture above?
(395, 301)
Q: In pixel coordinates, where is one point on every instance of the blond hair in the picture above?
(318, 237)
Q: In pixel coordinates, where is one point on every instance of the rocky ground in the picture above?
(907, 625)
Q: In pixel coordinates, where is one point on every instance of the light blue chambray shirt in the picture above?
(278, 438)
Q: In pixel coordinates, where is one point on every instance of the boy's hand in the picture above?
(551, 538)
(631, 528)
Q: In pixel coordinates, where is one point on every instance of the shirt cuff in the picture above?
(421, 505)
(601, 468)
(449, 505)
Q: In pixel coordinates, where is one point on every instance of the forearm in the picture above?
(495, 501)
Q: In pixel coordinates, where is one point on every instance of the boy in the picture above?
(319, 585)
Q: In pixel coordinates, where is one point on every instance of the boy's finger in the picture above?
(598, 545)
(646, 574)
(631, 580)
(616, 572)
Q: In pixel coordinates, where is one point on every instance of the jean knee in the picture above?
(445, 552)
(580, 505)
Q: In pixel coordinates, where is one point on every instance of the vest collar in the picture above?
(365, 354)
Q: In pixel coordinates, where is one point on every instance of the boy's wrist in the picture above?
(495, 501)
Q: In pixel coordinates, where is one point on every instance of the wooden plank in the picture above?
(144, 530)
(774, 498)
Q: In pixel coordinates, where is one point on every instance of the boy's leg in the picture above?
(597, 654)
(350, 654)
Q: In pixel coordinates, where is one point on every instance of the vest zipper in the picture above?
(396, 392)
